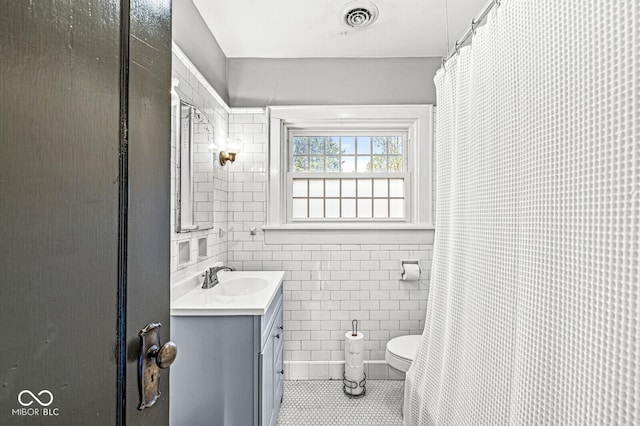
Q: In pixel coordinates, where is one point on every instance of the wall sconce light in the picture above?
(229, 153)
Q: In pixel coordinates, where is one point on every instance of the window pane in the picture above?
(336, 198)
(349, 188)
(316, 208)
(332, 187)
(395, 164)
(300, 145)
(332, 164)
(348, 164)
(364, 188)
(379, 145)
(394, 145)
(299, 188)
(380, 188)
(379, 163)
(364, 145)
(332, 145)
(300, 164)
(316, 188)
(364, 207)
(332, 207)
(349, 208)
(380, 208)
(316, 145)
(316, 164)
(396, 187)
(396, 208)
(364, 164)
(348, 145)
(299, 208)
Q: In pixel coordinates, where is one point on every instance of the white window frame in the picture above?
(416, 121)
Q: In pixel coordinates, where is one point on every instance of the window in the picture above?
(350, 169)
(346, 176)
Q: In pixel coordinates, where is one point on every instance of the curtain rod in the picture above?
(471, 30)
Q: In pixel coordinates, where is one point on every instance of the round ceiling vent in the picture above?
(359, 14)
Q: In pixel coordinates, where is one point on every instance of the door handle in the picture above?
(153, 358)
(164, 355)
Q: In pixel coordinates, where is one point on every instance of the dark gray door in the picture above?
(84, 207)
(149, 191)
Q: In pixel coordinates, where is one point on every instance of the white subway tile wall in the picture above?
(194, 90)
(328, 285)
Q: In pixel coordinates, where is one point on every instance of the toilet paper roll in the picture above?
(354, 344)
(355, 374)
(411, 272)
(355, 360)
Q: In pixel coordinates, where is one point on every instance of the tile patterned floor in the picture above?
(322, 402)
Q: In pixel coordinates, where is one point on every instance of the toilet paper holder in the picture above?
(406, 262)
(352, 385)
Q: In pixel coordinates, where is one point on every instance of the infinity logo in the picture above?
(35, 398)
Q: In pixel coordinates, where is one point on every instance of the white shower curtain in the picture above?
(534, 308)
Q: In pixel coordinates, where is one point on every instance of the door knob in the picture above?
(165, 355)
(153, 358)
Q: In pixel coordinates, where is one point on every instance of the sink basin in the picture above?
(243, 286)
(237, 293)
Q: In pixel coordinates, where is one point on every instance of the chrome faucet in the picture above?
(211, 276)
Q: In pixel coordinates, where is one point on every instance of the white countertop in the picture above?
(209, 302)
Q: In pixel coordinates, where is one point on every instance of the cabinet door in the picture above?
(267, 395)
(278, 381)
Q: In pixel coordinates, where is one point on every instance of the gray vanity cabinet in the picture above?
(229, 369)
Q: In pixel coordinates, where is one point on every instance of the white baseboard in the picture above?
(333, 370)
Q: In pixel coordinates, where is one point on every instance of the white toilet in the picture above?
(401, 351)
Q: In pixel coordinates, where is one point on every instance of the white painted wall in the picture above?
(332, 81)
(191, 33)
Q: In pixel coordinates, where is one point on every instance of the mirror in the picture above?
(194, 170)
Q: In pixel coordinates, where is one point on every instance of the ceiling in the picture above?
(314, 28)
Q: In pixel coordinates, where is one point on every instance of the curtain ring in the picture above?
(474, 24)
(497, 2)
(457, 48)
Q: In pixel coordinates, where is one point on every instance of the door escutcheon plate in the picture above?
(153, 358)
